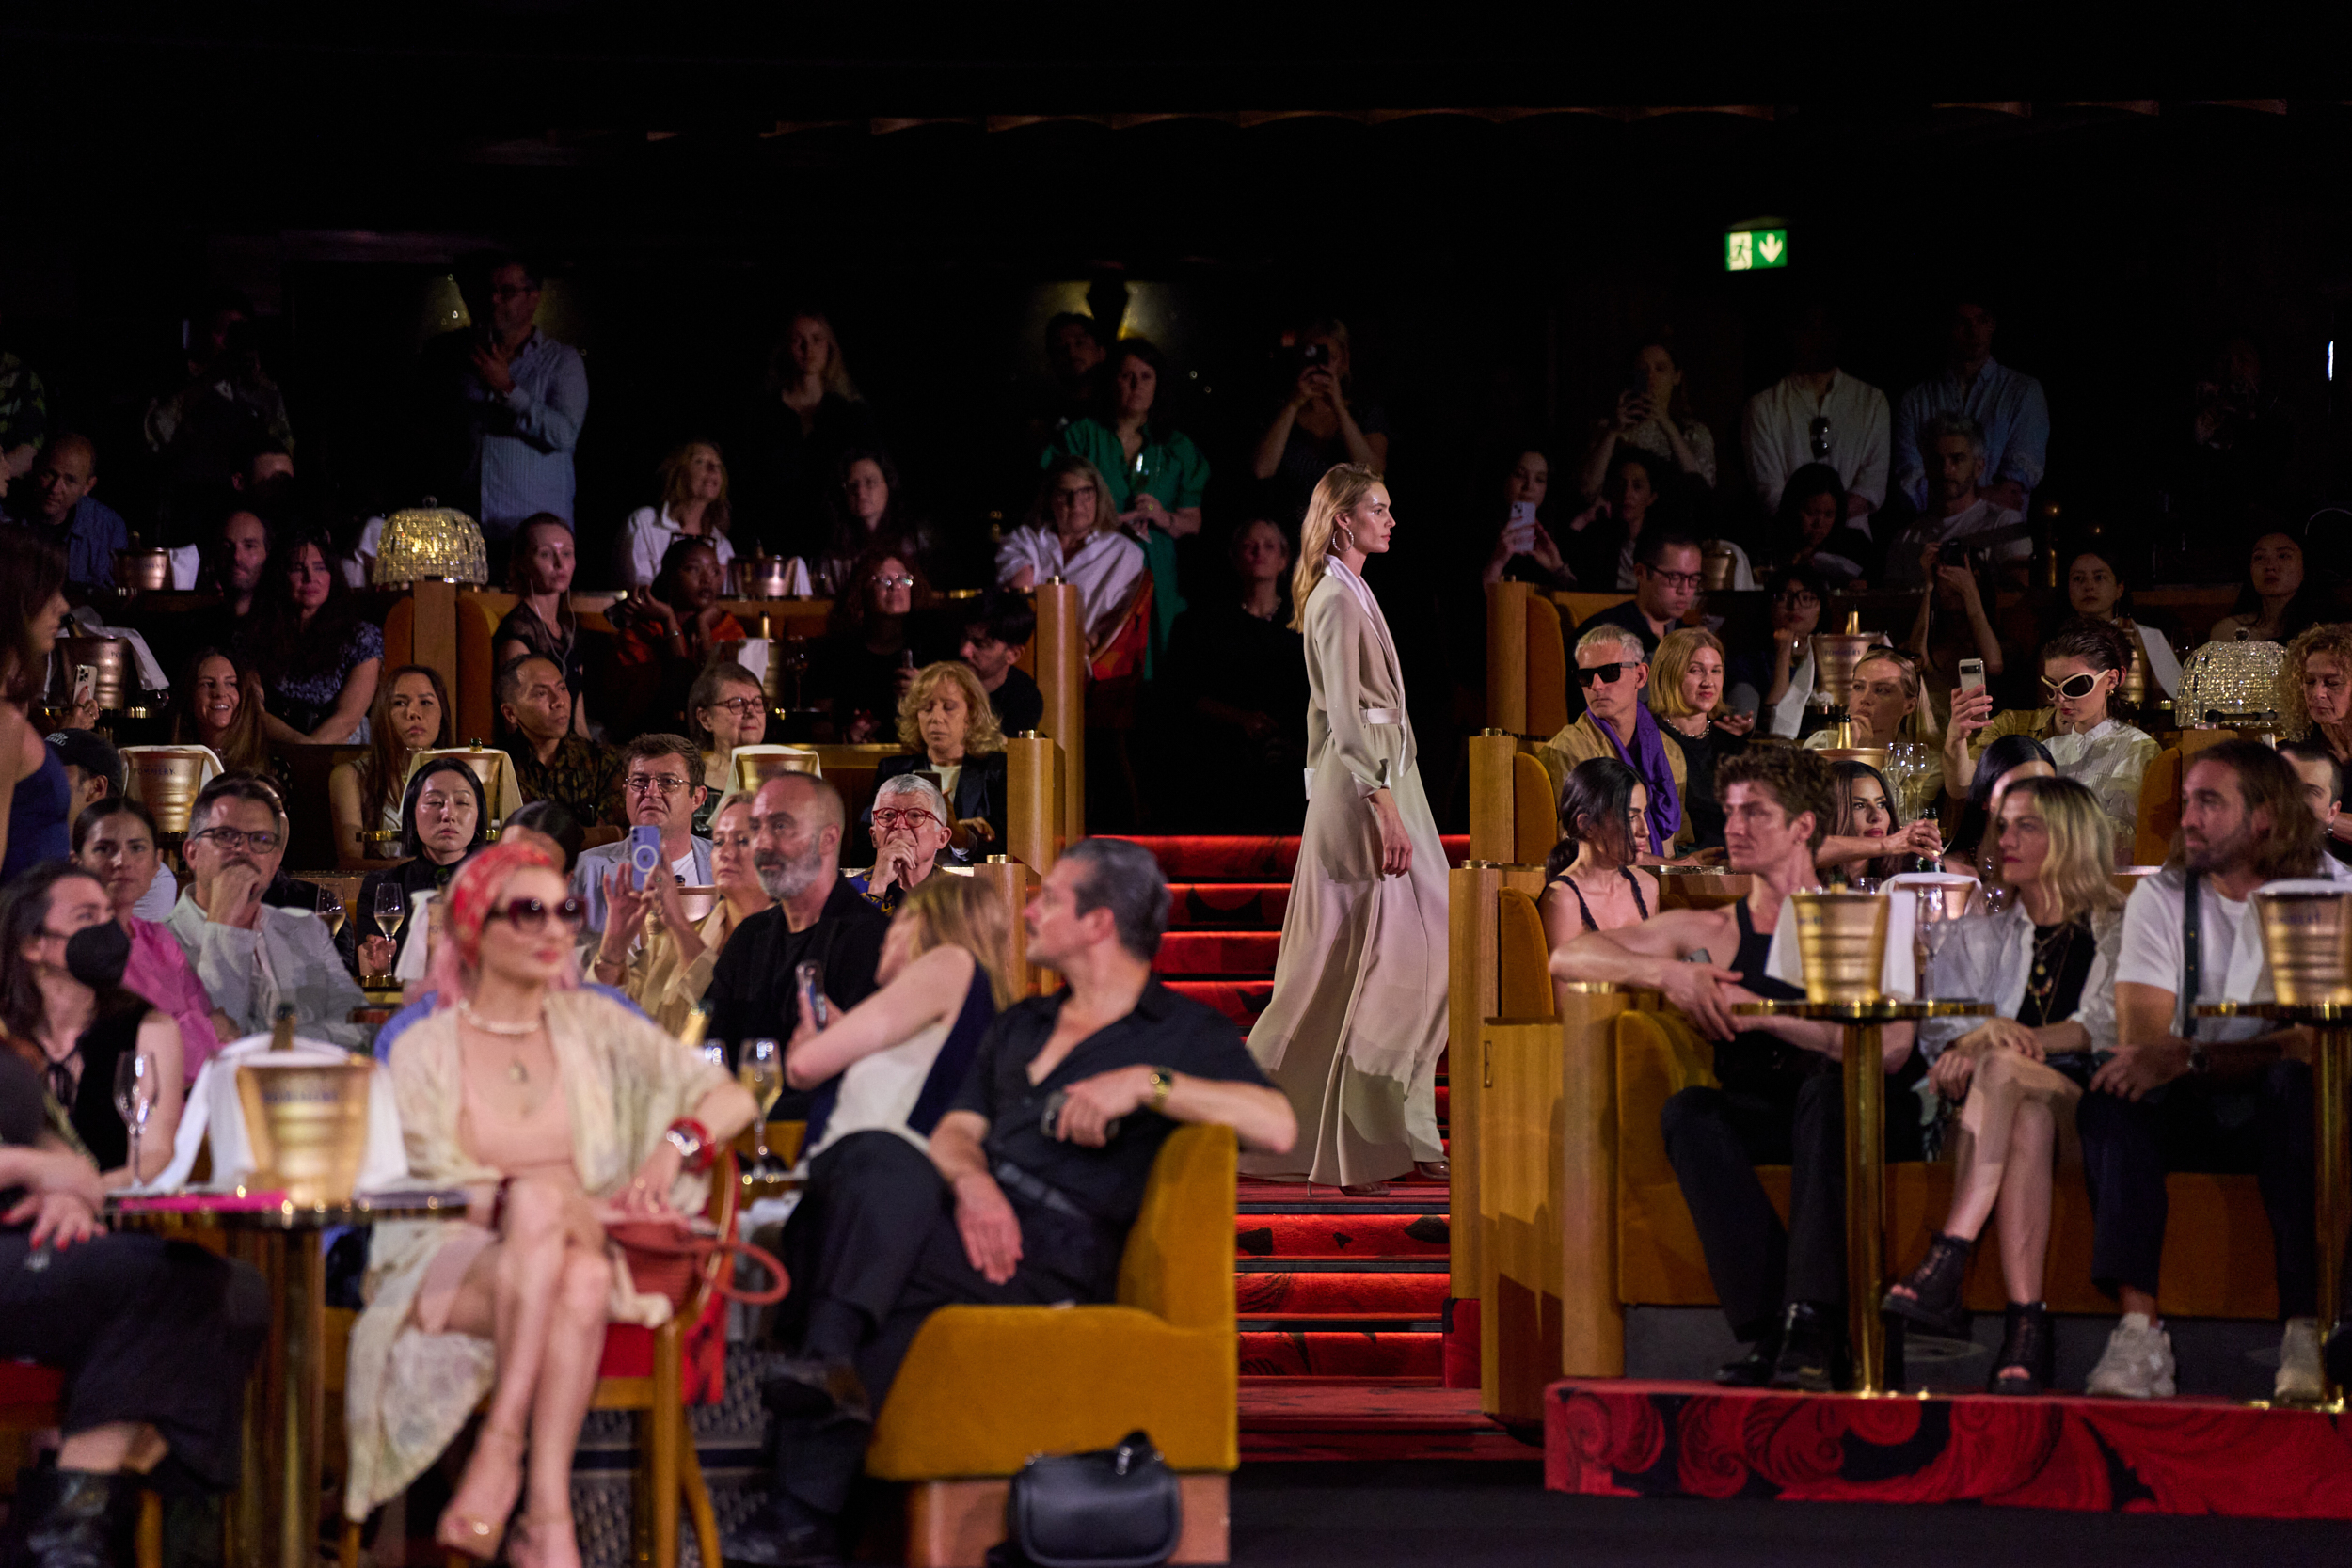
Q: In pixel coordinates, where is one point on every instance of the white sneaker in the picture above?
(2299, 1380)
(2137, 1363)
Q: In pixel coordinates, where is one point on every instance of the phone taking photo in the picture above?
(1971, 674)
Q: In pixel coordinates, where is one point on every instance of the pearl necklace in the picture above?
(516, 1071)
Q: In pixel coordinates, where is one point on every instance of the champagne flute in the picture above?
(330, 906)
(1931, 928)
(134, 1101)
(762, 1074)
(391, 911)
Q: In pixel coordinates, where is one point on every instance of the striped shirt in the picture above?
(529, 434)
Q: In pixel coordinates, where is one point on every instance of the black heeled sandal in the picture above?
(1935, 1285)
(2027, 1361)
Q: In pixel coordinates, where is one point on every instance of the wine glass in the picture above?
(1934, 925)
(392, 910)
(330, 907)
(134, 1101)
(762, 1074)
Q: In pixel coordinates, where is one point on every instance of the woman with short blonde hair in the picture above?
(945, 720)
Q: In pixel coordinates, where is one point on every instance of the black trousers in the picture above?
(1716, 1138)
(883, 1254)
(145, 1330)
(2190, 1124)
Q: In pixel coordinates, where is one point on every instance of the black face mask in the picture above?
(96, 954)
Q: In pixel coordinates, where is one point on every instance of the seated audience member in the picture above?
(864, 510)
(910, 827)
(1780, 675)
(727, 707)
(945, 721)
(539, 573)
(56, 506)
(1818, 413)
(1603, 542)
(791, 447)
(443, 818)
(1959, 520)
(1318, 423)
(1002, 625)
(548, 827)
(1862, 839)
(33, 822)
(1810, 532)
(1953, 626)
(550, 762)
(2234, 1096)
(661, 788)
(1237, 680)
(2279, 601)
(558, 1111)
(155, 1337)
(797, 823)
(66, 1010)
(1884, 702)
(2096, 590)
(1005, 1210)
(1652, 416)
(317, 656)
(668, 970)
(1073, 533)
(1686, 692)
(669, 633)
(2006, 763)
(253, 955)
(234, 560)
(1155, 474)
(2007, 405)
(218, 702)
(1525, 551)
(862, 669)
(1665, 583)
(693, 506)
(1611, 669)
(1591, 883)
(365, 795)
(2048, 963)
(95, 773)
(2082, 668)
(1780, 1100)
(2314, 688)
(2322, 774)
(115, 842)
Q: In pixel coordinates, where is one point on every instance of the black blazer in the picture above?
(979, 792)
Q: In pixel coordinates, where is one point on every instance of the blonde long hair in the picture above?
(1336, 494)
(1670, 664)
(947, 910)
(2080, 865)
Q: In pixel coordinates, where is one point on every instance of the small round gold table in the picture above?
(1865, 1155)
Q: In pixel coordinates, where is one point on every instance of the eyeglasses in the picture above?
(1674, 579)
(2074, 687)
(236, 839)
(743, 707)
(666, 783)
(1799, 600)
(1604, 673)
(887, 819)
(531, 914)
(901, 580)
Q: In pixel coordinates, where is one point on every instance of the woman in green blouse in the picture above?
(1156, 475)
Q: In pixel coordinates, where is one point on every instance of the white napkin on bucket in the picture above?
(215, 1111)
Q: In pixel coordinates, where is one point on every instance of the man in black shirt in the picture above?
(1035, 1176)
(1000, 625)
(796, 845)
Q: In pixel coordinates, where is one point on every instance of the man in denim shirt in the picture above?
(518, 399)
(2007, 404)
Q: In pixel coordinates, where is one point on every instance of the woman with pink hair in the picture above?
(559, 1111)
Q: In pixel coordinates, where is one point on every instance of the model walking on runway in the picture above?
(1358, 1013)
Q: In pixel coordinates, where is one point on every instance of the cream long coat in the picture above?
(625, 1082)
(1358, 1013)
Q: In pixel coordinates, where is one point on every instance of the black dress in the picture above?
(90, 1108)
(1228, 781)
(1700, 754)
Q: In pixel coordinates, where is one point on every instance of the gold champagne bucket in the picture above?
(698, 902)
(760, 577)
(1841, 938)
(143, 571)
(1715, 564)
(2307, 943)
(1835, 656)
(109, 656)
(2135, 679)
(307, 1124)
(164, 780)
(1873, 755)
(752, 770)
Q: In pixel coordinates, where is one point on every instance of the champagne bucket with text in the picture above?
(762, 576)
(307, 1126)
(1841, 938)
(165, 780)
(2307, 943)
(143, 571)
(1835, 656)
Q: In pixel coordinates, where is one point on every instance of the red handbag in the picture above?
(665, 1254)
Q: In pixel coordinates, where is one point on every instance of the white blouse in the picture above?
(647, 537)
(1105, 570)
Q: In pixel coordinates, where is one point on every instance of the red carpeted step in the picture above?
(1290, 1353)
(1371, 1294)
(1365, 1236)
(1201, 858)
(1445, 1104)
(1240, 1000)
(1241, 953)
(1227, 906)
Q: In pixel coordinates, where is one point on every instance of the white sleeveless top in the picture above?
(879, 1092)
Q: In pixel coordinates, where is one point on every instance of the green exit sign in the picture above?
(1756, 249)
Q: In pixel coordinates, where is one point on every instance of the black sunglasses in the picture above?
(531, 914)
(2074, 687)
(1605, 673)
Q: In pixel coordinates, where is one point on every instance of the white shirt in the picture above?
(878, 1092)
(692, 869)
(2151, 956)
(1787, 715)
(1779, 434)
(1902, 556)
(1989, 959)
(1105, 570)
(2109, 760)
(647, 536)
(162, 894)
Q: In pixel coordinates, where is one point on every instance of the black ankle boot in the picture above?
(2029, 1355)
(2337, 1354)
(76, 1519)
(1755, 1369)
(1812, 1349)
(1934, 1285)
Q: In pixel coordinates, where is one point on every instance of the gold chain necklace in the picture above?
(516, 1071)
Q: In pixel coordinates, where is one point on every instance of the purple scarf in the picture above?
(1648, 759)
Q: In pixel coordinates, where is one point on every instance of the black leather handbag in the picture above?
(1113, 1508)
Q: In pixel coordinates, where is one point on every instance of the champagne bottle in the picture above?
(691, 1035)
(281, 1031)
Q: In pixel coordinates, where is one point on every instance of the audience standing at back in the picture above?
(1818, 413)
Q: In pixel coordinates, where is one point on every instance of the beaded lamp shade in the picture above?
(430, 541)
(2237, 681)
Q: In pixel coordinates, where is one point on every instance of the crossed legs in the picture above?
(2004, 1150)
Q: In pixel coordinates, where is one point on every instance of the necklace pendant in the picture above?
(516, 1072)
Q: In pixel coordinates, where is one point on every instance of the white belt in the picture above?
(1383, 716)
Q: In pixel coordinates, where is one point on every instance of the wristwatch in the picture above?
(691, 1143)
(1162, 1082)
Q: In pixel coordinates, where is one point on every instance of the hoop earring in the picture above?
(1337, 530)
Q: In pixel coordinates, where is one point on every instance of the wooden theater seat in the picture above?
(2159, 808)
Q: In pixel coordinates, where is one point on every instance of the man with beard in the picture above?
(817, 918)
